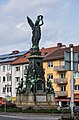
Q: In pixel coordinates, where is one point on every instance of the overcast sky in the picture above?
(61, 23)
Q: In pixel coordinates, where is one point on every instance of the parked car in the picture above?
(2, 101)
(65, 107)
(8, 104)
(76, 110)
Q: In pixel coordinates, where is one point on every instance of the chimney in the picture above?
(15, 52)
(70, 45)
(59, 45)
(42, 48)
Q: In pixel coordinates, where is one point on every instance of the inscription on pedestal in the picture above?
(40, 98)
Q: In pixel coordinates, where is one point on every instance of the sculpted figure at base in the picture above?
(36, 30)
(49, 87)
(20, 88)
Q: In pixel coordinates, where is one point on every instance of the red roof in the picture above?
(24, 59)
(17, 57)
(59, 53)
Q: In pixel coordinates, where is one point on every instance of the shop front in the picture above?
(66, 102)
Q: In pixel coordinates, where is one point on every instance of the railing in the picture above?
(61, 93)
(17, 73)
(8, 82)
(60, 80)
(25, 72)
(8, 74)
(60, 68)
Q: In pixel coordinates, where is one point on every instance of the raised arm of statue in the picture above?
(39, 21)
(40, 17)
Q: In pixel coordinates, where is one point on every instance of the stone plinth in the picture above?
(25, 99)
(51, 99)
(36, 100)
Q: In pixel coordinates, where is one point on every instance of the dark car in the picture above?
(76, 110)
(8, 104)
(65, 107)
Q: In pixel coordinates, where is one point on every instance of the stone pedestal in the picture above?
(36, 100)
(51, 99)
(31, 99)
(25, 99)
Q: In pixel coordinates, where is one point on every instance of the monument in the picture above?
(35, 91)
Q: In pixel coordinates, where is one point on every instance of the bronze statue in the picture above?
(20, 86)
(49, 88)
(36, 31)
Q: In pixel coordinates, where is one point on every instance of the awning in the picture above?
(63, 100)
(67, 100)
(76, 95)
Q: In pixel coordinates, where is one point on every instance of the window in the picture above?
(3, 79)
(50, 76)
(18, 68)
(4, 68)
(3, 89)
(76, 75)
(8, 67)
(26, 67)
(0, 79)
(62, 75)
(76, 87)
(17, 79)
(8, 78)
(50, 64)
(10, 89)
(7, 90)
(62, 88)
(61, 62)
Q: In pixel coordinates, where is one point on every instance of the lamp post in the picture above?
(72, 83)
(5, 100)
(71, 64)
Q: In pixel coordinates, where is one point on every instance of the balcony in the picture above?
(8, 82)
(61, 94)
(17, 73)
(60, 81)
(60, 68)
(25, 72)
(8, 74)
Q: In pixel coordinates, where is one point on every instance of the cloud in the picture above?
(16, 33)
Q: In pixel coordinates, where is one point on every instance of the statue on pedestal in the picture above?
(36, 31)
(33, 91)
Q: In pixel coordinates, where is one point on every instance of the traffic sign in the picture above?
(67, 57)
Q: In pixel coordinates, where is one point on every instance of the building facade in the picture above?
(56, 71)
(7, 86)
(13, 67)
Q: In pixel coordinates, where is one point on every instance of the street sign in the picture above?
(75, 57)
(74, 81)
(67, 65)
(67, 57)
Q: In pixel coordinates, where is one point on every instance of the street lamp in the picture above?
(71, 64)
(5, 100)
